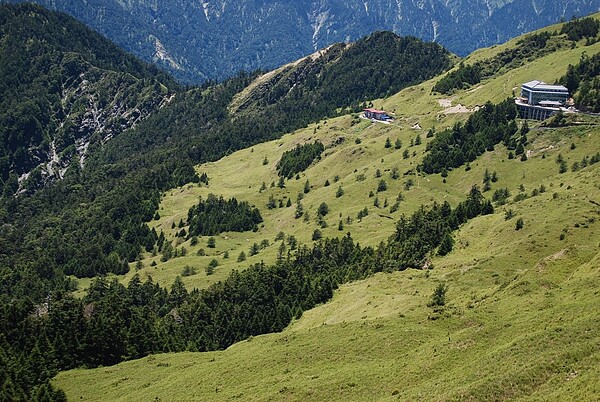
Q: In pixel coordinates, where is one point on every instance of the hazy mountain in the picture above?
(213, 39)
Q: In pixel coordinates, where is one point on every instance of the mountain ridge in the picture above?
(517, 320)
(248, 35)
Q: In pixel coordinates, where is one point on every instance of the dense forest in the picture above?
(113, 322)
(93, 220)
(463, 143)
(215, 215)
(299, 159)
(583, 82)
(64, 85)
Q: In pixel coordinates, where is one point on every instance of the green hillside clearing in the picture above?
(521, 312)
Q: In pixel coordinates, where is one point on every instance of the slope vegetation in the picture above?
(514, 316)
(94, 221)
(518, 320)
(65, 91)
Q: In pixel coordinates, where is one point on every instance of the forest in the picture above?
(299, 159)
(583, 82)
(463, 143)
(94, 220)
(530, 47)
(114, 322)
(215, 215)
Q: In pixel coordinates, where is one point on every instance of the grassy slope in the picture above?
(520, 323)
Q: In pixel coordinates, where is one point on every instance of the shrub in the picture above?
(519, 224)
(317, 235)
(438, 298)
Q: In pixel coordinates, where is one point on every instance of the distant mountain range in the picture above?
(213, 39)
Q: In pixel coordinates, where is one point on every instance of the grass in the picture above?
(521, 313)
(242, 173)
(519, 323)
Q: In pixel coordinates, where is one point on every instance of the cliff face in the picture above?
(213, 39)
(64, 92)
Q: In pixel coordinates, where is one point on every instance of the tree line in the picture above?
(299, 159)
(216, 215)
(530, 47)
(583, 82)
(463, 143)
(114, 322)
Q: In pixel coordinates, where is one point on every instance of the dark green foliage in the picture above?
(323, 209)
(582, 82)
(581, 28)
(465, 142)
(339, 192)
(380, 65)
(215, 215)
(438, 298)
(114, 322)
(462, 78)
(317, 235)
(299, 210)
(211, 242)
(381, 186)
(519, 224)
(446, 245)
(45, 57)
(299, 158)
(306, 187)
(388, 143)
(188, 271)
(210, 268)
(420, 234)
(500, 196)
(562, 164)
(528, 48)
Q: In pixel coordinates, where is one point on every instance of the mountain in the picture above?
(504, 311)
(65, 90)
(214, 39)
(97, 136)
(352, 203)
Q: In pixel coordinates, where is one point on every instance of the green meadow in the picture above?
(521, 317)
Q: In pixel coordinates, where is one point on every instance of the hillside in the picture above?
(65, 91)
(242, 174)
(212, 40)
(94, 221)
(517, 322)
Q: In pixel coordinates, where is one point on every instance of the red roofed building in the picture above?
(376, 114)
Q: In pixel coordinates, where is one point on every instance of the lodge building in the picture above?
(539, 100)
(376, 114)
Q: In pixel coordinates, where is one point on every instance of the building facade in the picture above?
(539, 100)
(540, 93)
(376, 114)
